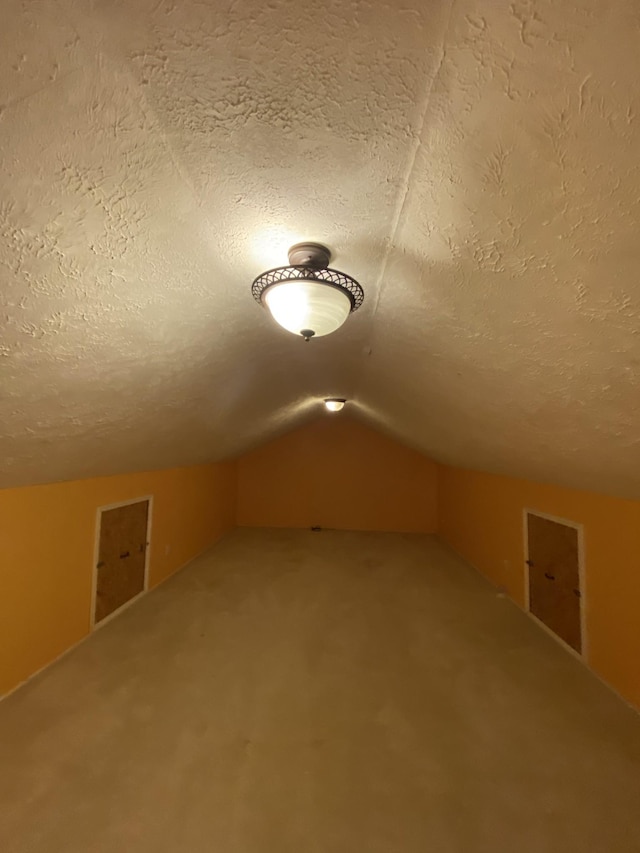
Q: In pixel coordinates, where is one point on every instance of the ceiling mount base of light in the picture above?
(313, 255)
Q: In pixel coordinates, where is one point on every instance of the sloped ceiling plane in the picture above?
(474, 165)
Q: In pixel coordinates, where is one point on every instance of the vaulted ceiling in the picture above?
(474, 165)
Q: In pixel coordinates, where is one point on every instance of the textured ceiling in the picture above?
(475, 165)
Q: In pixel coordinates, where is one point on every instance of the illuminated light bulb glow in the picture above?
(300, 306)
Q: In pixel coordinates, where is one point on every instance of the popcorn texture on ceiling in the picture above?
(474, 165)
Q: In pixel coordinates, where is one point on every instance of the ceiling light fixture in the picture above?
(334, 404)
(307, 298)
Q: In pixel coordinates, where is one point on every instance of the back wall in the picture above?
(337, 473)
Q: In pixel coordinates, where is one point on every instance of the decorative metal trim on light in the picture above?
(307, 298)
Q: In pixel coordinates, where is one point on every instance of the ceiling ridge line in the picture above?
(8, 105)
(404, 189)
(146, 107)
(411, 160)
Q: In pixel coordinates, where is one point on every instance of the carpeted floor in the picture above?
(299, 692)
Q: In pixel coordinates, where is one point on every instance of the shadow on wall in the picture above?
(337, 473)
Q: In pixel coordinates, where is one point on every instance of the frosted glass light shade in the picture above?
(335, 405)
(302, 306)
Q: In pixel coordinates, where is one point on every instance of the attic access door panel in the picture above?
(554, 577)
(121, 557)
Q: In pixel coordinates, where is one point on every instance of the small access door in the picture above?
(554, 577)
(122, 557)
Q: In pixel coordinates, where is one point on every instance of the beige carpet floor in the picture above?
(299, 692)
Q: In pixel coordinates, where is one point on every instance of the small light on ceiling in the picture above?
(334, 404)
(307, 298)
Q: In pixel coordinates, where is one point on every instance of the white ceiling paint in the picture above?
(474, 165)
